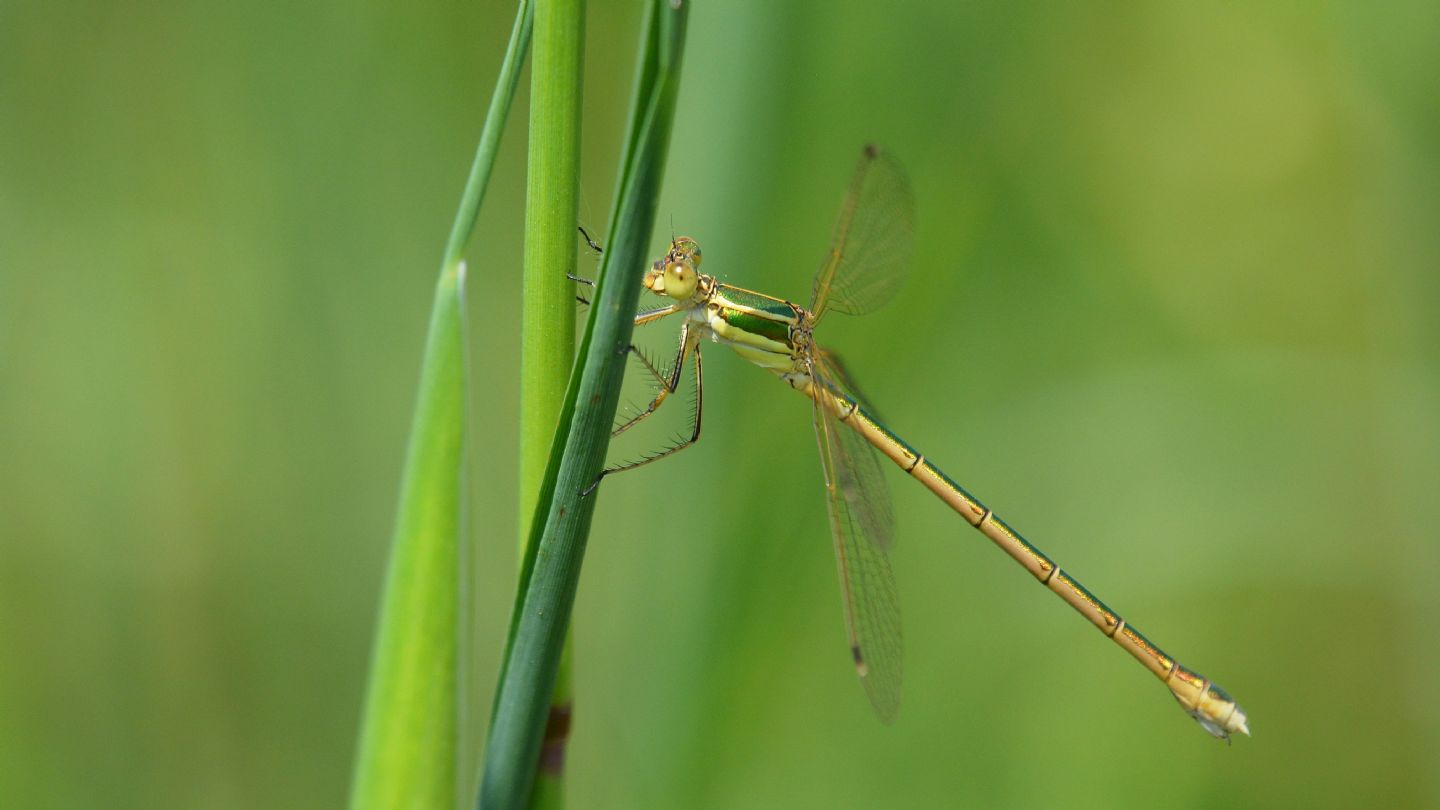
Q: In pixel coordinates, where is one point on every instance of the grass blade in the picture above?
(408, 748)
(547, 334)
(551, 567)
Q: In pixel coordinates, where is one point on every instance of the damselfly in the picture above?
(866, 264)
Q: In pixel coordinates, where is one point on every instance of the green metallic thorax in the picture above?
(772, 330)
(759, 328)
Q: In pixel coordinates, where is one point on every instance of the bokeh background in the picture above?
(1175, 313)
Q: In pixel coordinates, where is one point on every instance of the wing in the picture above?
(858, 466)
(838, 375)
(870, 252)
(862, 524)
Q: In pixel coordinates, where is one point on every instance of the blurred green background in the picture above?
(1175, 314)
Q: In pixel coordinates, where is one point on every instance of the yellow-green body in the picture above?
(777, 335)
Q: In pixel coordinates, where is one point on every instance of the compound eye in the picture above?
(685, 249)
(680, 280)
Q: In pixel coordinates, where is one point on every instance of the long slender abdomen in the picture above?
(1215, 710)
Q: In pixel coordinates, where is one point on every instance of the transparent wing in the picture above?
(862, 524)
(858, 466)
(870, 252)
(835, 371)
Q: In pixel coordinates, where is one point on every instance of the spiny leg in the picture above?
(577, 279)
(685, 346)
(643, 318)
(588, 240)
(668, 385)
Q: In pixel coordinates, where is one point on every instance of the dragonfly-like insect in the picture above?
(866, 264)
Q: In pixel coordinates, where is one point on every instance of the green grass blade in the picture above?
(551, 567)
(407, 744)
(494, 126)
(547, 334)
(408, 749)
(547, 323)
